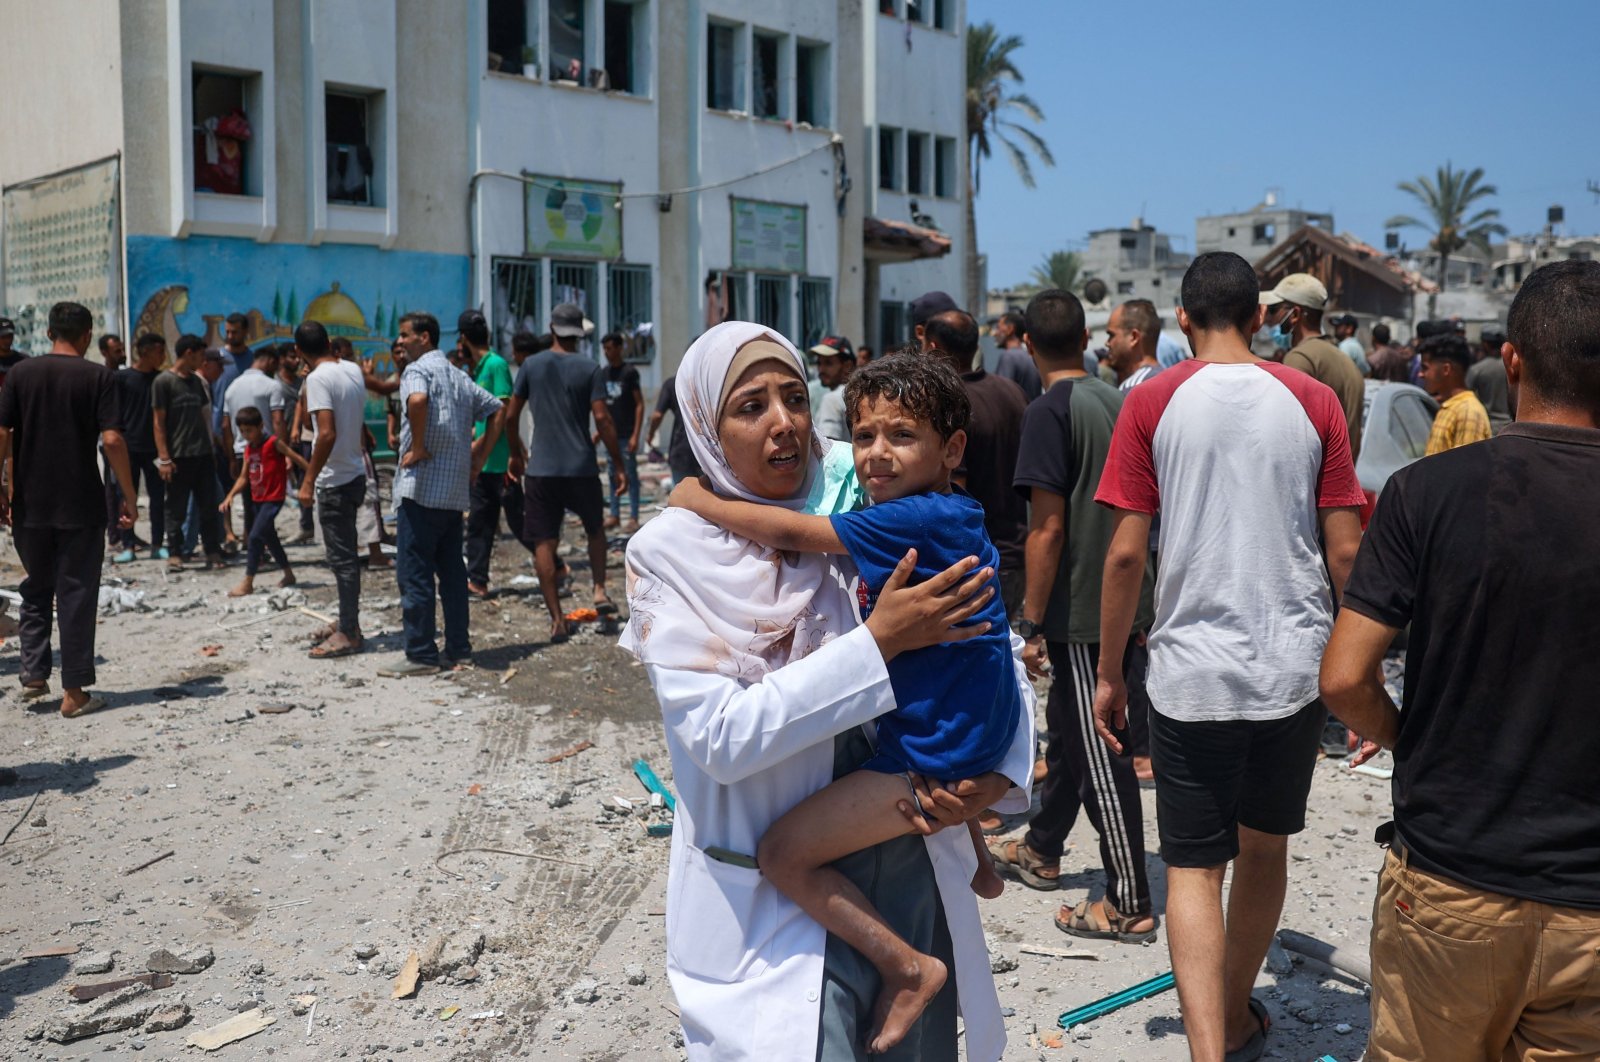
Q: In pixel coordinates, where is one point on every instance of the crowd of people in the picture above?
(866, 564)
(1180, 543)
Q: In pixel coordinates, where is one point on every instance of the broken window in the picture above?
(768, 100)
(944, 167)
(722, 68)
(224, 163)
(811, 84)
(917, 163)
(626, 32)
(348, 124)
(566, 40)
(1124, 287)
(1264, 232)
(888, 158)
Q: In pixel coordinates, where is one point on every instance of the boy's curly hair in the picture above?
(922, 385)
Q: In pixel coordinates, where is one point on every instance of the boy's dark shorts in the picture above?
(1213, 777)
(546, 500)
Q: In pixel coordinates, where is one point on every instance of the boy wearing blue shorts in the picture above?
(957, 705)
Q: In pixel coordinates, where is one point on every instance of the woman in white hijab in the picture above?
(765, 672)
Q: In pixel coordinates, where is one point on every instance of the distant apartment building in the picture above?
(664, 164)
(1256, 231)
(1136, 262)
(1521, 255)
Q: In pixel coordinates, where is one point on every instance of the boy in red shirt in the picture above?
(264, 473)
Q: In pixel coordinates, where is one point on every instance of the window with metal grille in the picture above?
(772, 302)
(576, 282)
(816, 310)
(518, 300)
(629, 313)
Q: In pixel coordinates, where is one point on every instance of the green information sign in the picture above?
(768, 236)
(574, 218)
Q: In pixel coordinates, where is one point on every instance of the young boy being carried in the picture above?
(957, 704)
(265, 474)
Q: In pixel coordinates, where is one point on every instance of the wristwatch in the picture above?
(1029, 630)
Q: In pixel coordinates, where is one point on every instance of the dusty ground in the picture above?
(306, 839)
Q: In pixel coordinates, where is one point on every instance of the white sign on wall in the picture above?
(63, 243)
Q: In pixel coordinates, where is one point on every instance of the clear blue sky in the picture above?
(1173, 110)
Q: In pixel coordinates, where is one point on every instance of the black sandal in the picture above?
(1256, 1046)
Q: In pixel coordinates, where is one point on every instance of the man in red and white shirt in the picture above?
(1248, 464)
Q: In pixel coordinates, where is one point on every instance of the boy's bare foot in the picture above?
(288, 578)
(902, 1000)
(558, 631)
(244, 589)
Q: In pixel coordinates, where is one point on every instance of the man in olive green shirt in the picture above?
(1295, 308)
(490, 372)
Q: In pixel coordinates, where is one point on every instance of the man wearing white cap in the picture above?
(1295, 308)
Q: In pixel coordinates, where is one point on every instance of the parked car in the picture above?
(1395, 426)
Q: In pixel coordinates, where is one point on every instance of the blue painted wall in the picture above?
(192, 285)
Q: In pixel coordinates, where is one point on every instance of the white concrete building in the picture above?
(1254, 232)
(666, 163)
(1136, 262)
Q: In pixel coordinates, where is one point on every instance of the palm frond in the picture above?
(1019, 161)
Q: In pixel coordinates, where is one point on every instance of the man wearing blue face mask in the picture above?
(1295, 308)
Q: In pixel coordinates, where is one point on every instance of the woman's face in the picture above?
(765, 428)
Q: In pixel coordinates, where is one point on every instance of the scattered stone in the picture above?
(1278, 960)
(559, 798)
(446, 954)
(127, 1008)
(635, 973)
(466, 973)
(585, 991)
(39, 821)
(191, 961)
(365, 951)
(298, 1005)
(999, 964)
(172, 1016)
(96, 962)
(1343, 1028)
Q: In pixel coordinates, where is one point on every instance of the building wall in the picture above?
(63, 91)
(918, 86)
(282, 252)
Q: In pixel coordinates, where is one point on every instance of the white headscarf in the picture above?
(701, 599)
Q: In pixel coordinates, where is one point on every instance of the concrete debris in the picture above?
(96, 962)
(285, 599)
(84, 993)
(127, 1008)
(1279, 961)
(172, 1016)
(365, 951)
(191, 961)
(115, 600)
(1000, 964)
(234, 1029)
(585, 991)
(444, 955)
(634, 973)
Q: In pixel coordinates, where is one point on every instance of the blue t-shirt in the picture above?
(958, 703)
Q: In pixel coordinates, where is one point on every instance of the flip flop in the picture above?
(606, 607)
(991, 823)
(1256, 1046)
(1026, 865)
(93, 704)
(1086, 923)
(33, 693)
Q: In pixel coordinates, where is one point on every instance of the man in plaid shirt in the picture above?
(438, 460)
(1462, 418)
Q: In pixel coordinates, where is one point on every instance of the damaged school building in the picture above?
(664, 164)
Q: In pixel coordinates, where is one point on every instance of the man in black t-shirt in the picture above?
(625, 402)
(1489, 553)
(680, 456)
(53, 410)
(133, 400)
(994, 434)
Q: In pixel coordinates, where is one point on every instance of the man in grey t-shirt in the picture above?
(564, 389)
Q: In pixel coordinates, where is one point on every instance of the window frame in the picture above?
(890, 135)
(919, 158)
(737, 74)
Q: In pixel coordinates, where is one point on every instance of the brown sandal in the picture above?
(1102, 922)
(1025, 863)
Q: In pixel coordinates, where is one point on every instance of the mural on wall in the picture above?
(192, 285)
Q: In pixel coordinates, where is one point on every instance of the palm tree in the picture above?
(1447, 198)
(991, 102)
(1058, 270)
